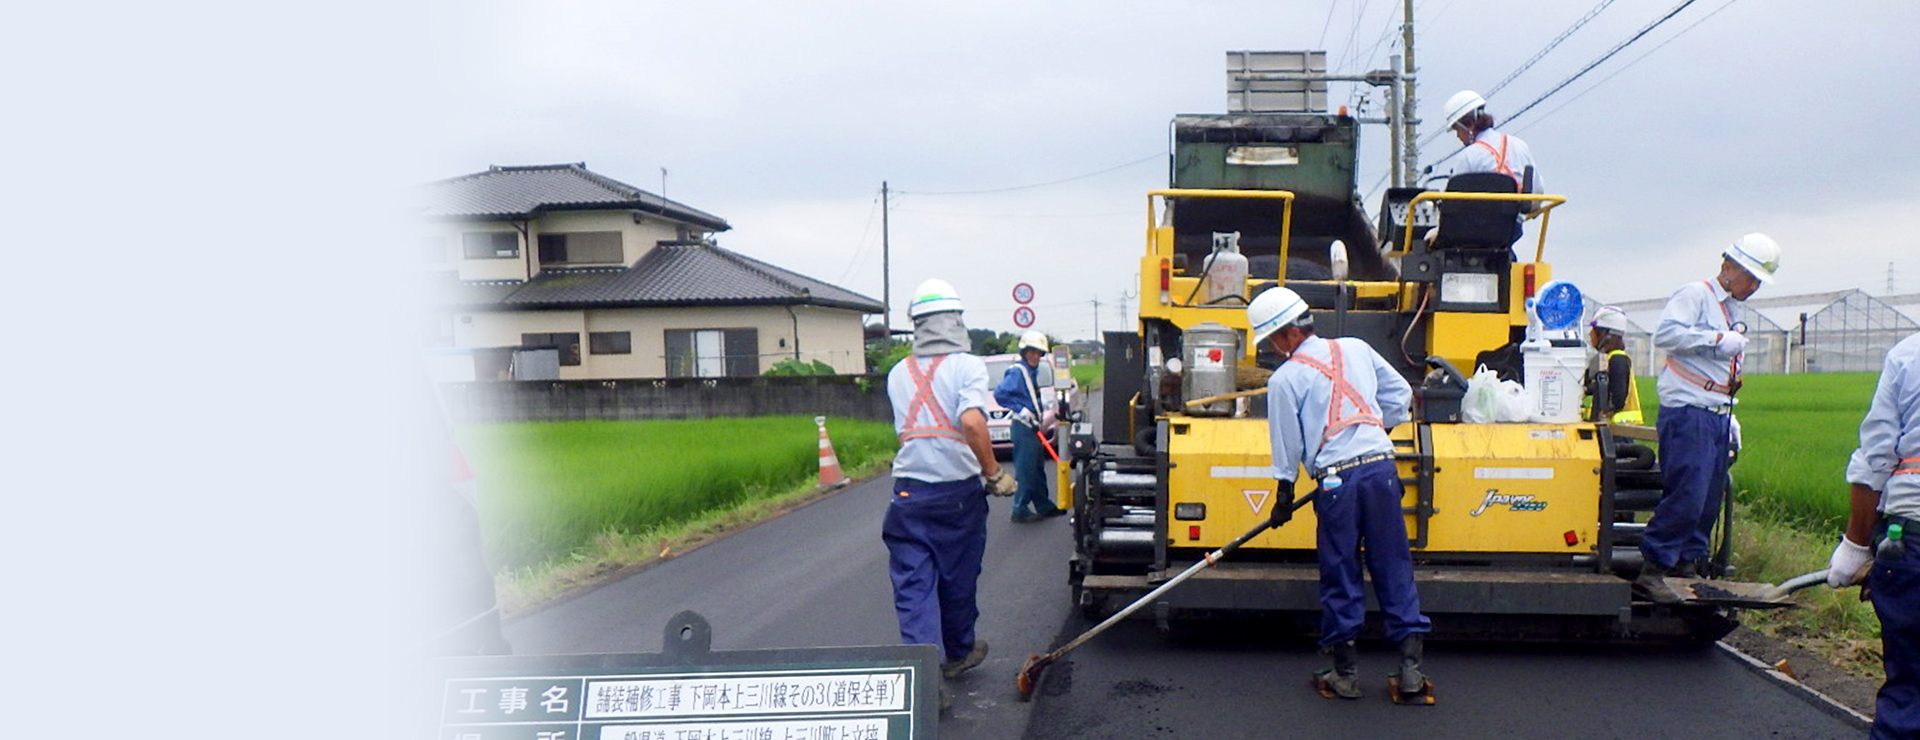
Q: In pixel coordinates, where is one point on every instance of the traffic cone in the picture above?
(830, 475)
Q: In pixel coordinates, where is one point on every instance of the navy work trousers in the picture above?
(1365, 508)
(936, 534)
(1030, 471)
(1694, 444)
(1895, 585)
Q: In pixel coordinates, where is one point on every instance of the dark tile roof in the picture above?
(448, 290)
(526, 192)
(693, 274)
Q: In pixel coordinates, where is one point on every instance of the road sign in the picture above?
(1023, 317)
(1023, 294)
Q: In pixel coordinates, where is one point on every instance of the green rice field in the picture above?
(548, 488)
(1797, 431)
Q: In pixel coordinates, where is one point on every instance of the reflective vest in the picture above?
(1500, 158)
(925, 417)
(1342, 395)
(1629, 412)
(1909, 466)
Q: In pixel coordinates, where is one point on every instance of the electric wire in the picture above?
(1627, 66)
(860, 247)
(1603, 58)
(1142, 160)
(1542, 53)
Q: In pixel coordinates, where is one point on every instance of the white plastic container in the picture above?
(1554, 380)
(1226, 273)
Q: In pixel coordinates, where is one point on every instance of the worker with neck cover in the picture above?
(1329, 406)
(1611, 390)
(936, 522)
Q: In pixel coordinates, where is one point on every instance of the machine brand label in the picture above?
(1513, 502)
(1513, 473)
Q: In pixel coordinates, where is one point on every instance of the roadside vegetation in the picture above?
(1089, 374)
(564, 502)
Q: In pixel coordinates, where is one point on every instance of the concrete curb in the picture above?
(1811, 695)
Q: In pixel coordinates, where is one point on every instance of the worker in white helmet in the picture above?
(1611, 390)
(1884, 477)
(1019, 394)
(1701, 332)
(1487, 149)
(1329, 406)
(936, 522)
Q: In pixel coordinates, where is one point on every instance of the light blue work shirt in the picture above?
(1483, 155)
(1890, 433)
(1697, 314)
(1299, 395)
(959, 384)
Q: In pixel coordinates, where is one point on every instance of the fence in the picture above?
(846, 396)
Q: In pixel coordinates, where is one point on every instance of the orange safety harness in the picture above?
(1343, 393)
(1912, 466)
(1733, 366)
(940, 425)
(1499, 158)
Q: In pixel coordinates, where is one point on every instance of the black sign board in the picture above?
(689, 692)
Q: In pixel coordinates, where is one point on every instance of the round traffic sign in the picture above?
(1022, 293)
(1023, 317)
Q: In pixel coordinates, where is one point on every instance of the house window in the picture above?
(568, 343)
(610, 343)
(712, 353)
(587, 247)
(433, 250)
(479, 245)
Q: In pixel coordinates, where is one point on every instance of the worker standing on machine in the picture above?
(1610, 384)
(936, 523)
(1330, 405)
(1486, 149)
(1019, 394)
(1884, 474)
(1702, 337)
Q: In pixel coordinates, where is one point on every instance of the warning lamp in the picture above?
(1166, 280)
(1193, 532)
(1526, 279)
(1572, 537)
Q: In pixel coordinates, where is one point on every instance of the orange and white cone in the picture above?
(830, 475)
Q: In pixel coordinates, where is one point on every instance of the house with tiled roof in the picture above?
(554, 271)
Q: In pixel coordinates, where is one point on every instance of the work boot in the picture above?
(1412, 680)
(1652, 584)
(1344, 678)
(974, 658)
(1688, 569)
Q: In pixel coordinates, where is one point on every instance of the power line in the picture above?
(1603, 58)
(860, 247)
(1524, 66)
(1148, 158)
(1623, 68)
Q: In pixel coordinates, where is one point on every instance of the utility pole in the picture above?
(886, 264)
(663, 182)
(1096, 318)
(1889, 278)
(1410, 152)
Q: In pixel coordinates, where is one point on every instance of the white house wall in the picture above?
(832, 336)
(636, 239)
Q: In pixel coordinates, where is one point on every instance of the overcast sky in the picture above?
(1753, 115)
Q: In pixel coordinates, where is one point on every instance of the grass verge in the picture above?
(1771, 546)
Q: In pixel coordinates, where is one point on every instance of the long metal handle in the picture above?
(1209, 560)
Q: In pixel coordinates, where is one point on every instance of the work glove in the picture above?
(1026, 417)
(1731, 344)
(1733, 428)
(1849, 564)
(1282, 504)
(1001, 484)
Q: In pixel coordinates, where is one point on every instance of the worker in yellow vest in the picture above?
(1612, 393)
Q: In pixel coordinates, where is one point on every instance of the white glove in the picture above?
(1733, 425)
(1026, 417)
(1001, 484)
(1731, 344)
(1849, 564)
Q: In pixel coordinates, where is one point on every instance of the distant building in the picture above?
(556, 271)
(1837, 331)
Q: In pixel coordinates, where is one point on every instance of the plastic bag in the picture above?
(1481, 403)
(1489, 399)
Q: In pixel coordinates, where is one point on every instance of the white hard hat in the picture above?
(1462, 103)
(1611, 319)
(1275, 308)
(933, 296)
(1034, 339)
(1757, 253)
